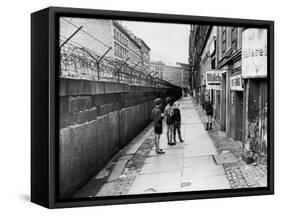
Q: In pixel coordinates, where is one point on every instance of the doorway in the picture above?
(239, 116)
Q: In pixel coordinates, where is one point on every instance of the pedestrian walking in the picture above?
(157, 117)
(208, 106)
(177, 121)
(169, 114)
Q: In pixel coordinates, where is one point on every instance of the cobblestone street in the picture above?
(205, 161)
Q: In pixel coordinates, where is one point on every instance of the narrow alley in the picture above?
(188, 166)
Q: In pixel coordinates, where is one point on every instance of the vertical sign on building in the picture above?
(254, 53)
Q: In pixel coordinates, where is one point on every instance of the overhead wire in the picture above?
(87, 33)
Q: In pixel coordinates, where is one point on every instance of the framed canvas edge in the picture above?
(53, 99)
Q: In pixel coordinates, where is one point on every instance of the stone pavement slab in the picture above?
(198, 150)
(196, 172)
(105, 190)
(198, 161)
(207, 183)
(168, 152)
(165, 146)
(157, 183)
(225, 158)
(163, 163)
(117, 170)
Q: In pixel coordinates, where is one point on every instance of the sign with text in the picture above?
(254, 53)
(213, 79)
(236, 83)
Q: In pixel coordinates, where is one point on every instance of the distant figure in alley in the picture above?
(208, 106)
(157, 117)
(177, 121)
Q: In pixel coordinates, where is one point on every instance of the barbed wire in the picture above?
(76, 62)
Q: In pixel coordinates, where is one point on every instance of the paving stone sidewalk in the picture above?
(239, 174)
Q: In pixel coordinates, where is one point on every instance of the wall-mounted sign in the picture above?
(254, 53)
(236, 83)
(213, 79)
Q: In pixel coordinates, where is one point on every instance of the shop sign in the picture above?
(254, 53)
(236, 83)
(213, 79)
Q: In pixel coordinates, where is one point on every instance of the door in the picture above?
(223, 103)
(239, 116)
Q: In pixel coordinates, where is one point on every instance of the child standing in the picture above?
(157, 117)
(208, 106)
(177, 121)
(169, 120)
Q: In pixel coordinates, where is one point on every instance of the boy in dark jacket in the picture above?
(157, 117)
(208, 106)
(177, 121)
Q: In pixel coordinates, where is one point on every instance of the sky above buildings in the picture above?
(168, 42)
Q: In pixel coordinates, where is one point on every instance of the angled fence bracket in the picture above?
(71, 36)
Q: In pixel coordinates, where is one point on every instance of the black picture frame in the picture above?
(45, 111)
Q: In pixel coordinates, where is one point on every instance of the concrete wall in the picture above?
(96, 120)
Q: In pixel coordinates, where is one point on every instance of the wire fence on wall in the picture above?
(79, 62)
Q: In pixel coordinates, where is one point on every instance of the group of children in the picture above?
(173, 120)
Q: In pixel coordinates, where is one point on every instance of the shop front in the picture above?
(254, 73)
(236, 113)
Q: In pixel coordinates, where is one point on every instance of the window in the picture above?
(115, 48)
(118, 50)
(213, 63)
(234, 38)
(223, 39)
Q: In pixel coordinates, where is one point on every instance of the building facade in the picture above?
(186, 77)
(238, 56)
(197, 40)
(157, 69)
(145, 55)
(109, 37)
